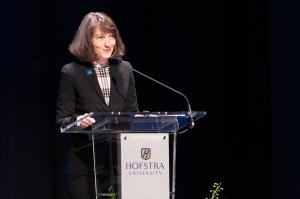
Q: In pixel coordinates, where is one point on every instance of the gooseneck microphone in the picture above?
(190, 114)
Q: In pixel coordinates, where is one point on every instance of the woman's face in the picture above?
(104, 44)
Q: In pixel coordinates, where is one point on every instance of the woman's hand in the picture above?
(88, 121)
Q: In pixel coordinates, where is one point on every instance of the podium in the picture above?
(142, 163)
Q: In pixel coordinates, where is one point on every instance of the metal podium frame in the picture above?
(135, 122)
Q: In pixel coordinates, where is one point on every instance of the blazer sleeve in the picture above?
(65, 104)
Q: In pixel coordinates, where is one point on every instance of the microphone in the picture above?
(190, 114)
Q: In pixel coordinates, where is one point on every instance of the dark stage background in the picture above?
(237, 61)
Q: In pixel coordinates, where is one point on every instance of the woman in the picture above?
(98, 81)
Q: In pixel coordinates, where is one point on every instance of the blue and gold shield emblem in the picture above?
(146, 153)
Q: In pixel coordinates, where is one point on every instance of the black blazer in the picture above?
(79, 92)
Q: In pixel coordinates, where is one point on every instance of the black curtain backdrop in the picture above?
(237, 61)
(284, 58)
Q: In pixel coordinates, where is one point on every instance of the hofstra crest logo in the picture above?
(145, 153)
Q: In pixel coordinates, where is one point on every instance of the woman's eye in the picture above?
(100, 37)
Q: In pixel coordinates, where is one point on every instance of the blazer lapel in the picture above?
(92, 78)
(118, 80)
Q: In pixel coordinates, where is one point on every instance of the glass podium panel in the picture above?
(130, 122)
(111, 129)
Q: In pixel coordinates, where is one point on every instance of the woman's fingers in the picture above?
(87, 122)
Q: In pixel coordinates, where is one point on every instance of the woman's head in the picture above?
(97, 38)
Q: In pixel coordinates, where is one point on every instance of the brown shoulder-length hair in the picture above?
(82, 47)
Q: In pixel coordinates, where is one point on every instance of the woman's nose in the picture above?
(107, 42)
